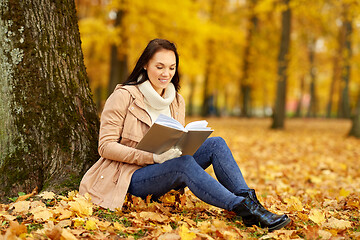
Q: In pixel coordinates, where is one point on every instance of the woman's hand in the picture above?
(169, 154)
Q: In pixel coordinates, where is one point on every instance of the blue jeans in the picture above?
(158, 179)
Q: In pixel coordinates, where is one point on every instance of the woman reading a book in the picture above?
(151, 90)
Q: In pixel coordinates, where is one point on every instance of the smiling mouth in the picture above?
(163, 80)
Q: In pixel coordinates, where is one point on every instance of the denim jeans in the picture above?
(158, 179)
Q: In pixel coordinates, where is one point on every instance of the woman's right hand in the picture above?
(169, 154)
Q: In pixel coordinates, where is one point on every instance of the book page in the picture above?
(198, 126)
(169, 122)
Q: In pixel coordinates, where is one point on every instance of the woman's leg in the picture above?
(216, 152)
(158, 179)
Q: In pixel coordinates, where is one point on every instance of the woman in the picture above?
(150, 90)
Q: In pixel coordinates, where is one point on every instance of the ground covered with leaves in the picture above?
(310, 171)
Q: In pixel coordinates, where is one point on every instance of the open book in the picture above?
(166, 132)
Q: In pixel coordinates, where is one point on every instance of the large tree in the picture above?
(355, 128)
(283, 62)
(49, 125)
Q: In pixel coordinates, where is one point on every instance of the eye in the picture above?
(172, 68)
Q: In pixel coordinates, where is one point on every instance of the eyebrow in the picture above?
(164, 64)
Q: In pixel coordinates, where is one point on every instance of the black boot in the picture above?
(253, 213)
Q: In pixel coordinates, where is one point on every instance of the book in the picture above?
(166, 133)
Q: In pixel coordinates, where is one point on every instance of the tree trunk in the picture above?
(207, 98)
(313, 100)
(190, 111)
(336, 71)
(283, 60)
(245, 86)
(118, 60)
(344, 110)
(49, 125)
(299, 104)
(246, 104)
(355, 128)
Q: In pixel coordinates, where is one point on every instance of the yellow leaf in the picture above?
(168, 199)
(219, 224)
(152, 216)
(67, 235)
(64, 214)
(337, 224)
(90, 225)
(43, 215)
(344, 193)
(21, 207)
(204, 226)
(294, 204)
(166, 228)
(169, 236)
(118, 226)
(78, 222)
(82, 206)
(47, 195)
(324, 234)
(103, 225)
(185, 233)
(317, 216)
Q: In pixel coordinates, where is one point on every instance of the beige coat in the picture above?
(124, 121)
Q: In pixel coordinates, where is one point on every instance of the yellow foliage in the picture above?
(317, 216)
(90, 225)
(294, 204)
(81, 206)
(185, 233)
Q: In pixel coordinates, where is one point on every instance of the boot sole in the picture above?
(280, 225)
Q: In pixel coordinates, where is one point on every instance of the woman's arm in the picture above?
(111, 127)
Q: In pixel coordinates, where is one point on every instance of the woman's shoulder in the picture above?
(180, 99)
(126, 91)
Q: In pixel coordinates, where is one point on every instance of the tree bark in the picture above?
(344, 110)
(283, 61)
(355, 128)
(299, 104)
(245, 86)
(312, 109)
(49, 125)
(190, 111)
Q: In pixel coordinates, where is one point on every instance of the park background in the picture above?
(231, 52)
(246, 66)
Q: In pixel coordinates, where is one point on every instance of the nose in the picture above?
(165, 73)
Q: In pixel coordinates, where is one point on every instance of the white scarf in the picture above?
(155, 104)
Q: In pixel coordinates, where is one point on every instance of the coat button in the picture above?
(132, 108)
(102, 177)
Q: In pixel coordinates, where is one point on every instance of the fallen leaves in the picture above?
(310, 172)
(317, 216)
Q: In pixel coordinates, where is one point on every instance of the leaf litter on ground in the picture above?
(309, 171)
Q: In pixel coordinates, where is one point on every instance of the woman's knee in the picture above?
(215, 141)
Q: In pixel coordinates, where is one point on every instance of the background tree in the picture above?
(344, 109)
(355, 128)
(283, 59)
(49, 126)
(245, 84)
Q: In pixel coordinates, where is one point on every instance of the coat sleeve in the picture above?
(111, 127)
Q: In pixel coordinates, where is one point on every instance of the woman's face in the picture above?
(160, 69)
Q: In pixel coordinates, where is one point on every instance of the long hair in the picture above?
(139, 74)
